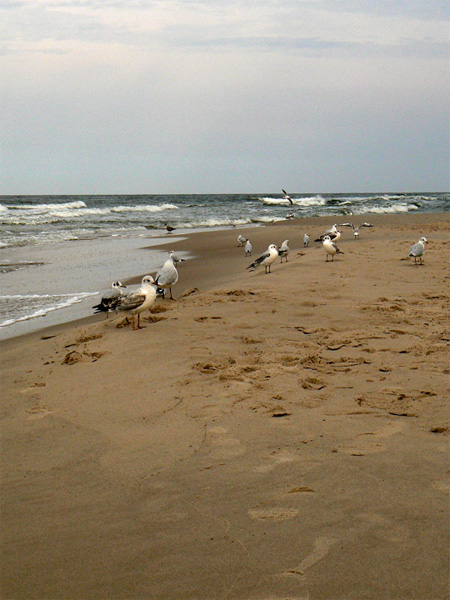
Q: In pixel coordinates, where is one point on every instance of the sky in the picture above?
(224, 96)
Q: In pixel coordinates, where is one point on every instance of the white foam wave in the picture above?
(52, 206)
(147, 208)
(3, 209)
(64, 301)
(306, 201)
(381, 210)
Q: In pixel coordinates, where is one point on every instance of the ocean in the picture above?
(58, 253)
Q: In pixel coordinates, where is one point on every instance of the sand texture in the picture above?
(264, 437)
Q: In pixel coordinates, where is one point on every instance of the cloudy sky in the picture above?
(204, 96)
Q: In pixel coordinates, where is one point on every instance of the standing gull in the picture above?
(283, 251)
(169, 228)
(306, 240)
(110, 299)
(167, 276)
(266, 258)
(330, 248)
(248, 248)
(356, 230)
(241, 240)
(176, 259)
(417, 250)
(138, 300)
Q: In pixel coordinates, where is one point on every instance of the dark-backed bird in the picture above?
(109, 300)
(266, 259)
(333, 233)
(169, 227)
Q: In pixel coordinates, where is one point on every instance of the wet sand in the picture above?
(263, 437)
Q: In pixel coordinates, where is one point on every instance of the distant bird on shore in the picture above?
(176, 259)
(287, 197)
(356, 230)
(266, 259)
(241, 240)
(167, 276)
(283, 250)
(330, 248)
(169, 227)
(138, 300)
(306, 238)
(248, 248)
(333, 233)
(417, 251)
(110, 299)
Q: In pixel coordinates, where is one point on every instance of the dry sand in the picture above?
(268, 437)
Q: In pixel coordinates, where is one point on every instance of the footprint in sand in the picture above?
(38, 412)
(370, 442)
(273, 513)
(223, 445)
(322, 545)
(275, 460)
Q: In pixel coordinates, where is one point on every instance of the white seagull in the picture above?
(283, 250)
(287, 197)
(241, 240)
(110, 299)
(167, 276)
(266, 259)
(330, 247)
(356, 230)
(176, 259)
(248, 248)
(306, 240)
(138, 300)
(417, 250)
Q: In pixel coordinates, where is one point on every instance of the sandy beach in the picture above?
(264, 437)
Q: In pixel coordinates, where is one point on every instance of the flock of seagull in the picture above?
(136, 301)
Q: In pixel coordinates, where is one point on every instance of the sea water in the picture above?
(59, 253)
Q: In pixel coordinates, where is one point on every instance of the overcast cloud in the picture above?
(211, 96)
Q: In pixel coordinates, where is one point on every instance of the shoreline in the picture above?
(267, 436)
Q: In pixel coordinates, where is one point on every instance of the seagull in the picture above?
(333, 233)
(306, 240)
(287, 197)
(283, 250)
(176, 259)
(138, 300)
(417, 250)
(248, 248)
(109, 300)
(355, 229)
(169, 227)
(241, 240)
(330, 247)
(167, 276)
(266, 258)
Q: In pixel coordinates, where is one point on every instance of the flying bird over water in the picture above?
(330, 248)
(283, 250)
(167, 276)
(356, 230)
(138, 300)
(110, 299)
(417, 251)
(287, 197)
(266, 259)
